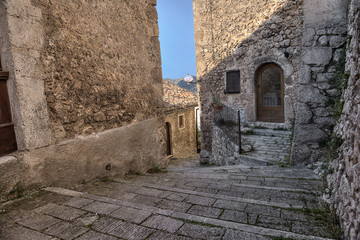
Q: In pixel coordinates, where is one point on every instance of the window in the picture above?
(181, 121)
(233, 81)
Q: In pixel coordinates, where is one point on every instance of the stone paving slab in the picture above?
(218, 196)
(38, 222)
(118, 228)
(159, 206)
(205, 211)
(131, 214)
(201, 232)
(101, 208)
(95, 236)
(174, 205)
(18, 232)
(163, 223)
(166, 236)
(65, 230)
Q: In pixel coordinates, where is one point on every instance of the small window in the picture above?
(181, 121)
(232, 82)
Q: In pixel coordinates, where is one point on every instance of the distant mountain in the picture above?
(191, 86)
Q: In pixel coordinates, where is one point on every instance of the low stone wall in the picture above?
(345, 182)
(224, 150)
(116, 151)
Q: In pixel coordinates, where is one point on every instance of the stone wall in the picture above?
(85, 89)
(224, 150)
(244, 35)
(324, 38)
(21, 42)
(345, 181)
(102, 64)
(183, 140)
(132, 148)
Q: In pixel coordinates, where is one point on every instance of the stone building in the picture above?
(282, 61)
(271, 60)
(181, 113)
(85, 90)
(236, 41)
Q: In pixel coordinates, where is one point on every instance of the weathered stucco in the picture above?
(244, 35)
(112, 152)
(85, 89)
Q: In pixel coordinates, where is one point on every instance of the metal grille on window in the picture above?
(232, 82)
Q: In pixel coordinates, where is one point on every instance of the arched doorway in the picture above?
(270, 93)
(168, 139)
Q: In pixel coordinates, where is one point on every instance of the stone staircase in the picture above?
(269, 145)
(188, 202)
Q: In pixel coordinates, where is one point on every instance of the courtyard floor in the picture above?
(187, 202)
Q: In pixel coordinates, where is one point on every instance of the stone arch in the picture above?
(282, 62)
(270, 93)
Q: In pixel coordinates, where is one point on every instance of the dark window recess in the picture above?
(232, 82)
(7, 133)
(181, 121)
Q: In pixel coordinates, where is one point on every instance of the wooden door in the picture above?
(7, 134)
(270, 94)
(168, 139)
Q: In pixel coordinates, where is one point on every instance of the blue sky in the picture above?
(176, 38)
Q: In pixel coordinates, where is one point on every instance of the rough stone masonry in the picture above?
(317, 35)
(85, 89)
(345, 180)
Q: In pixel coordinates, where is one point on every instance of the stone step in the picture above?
(267, 196)
(253, 161)
(269, 125)
(290, 172)
(214, 185)
(170, 222)
(230, 179)
(253, 181)
(267, 132)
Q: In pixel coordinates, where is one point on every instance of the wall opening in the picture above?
(181, 122)
(7, 133)
(270, 93)
(168, 139)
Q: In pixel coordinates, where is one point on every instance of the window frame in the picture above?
(181, 126)
(227, 81)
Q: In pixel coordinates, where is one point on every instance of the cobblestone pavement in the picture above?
(269, 145)
(188, 202)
